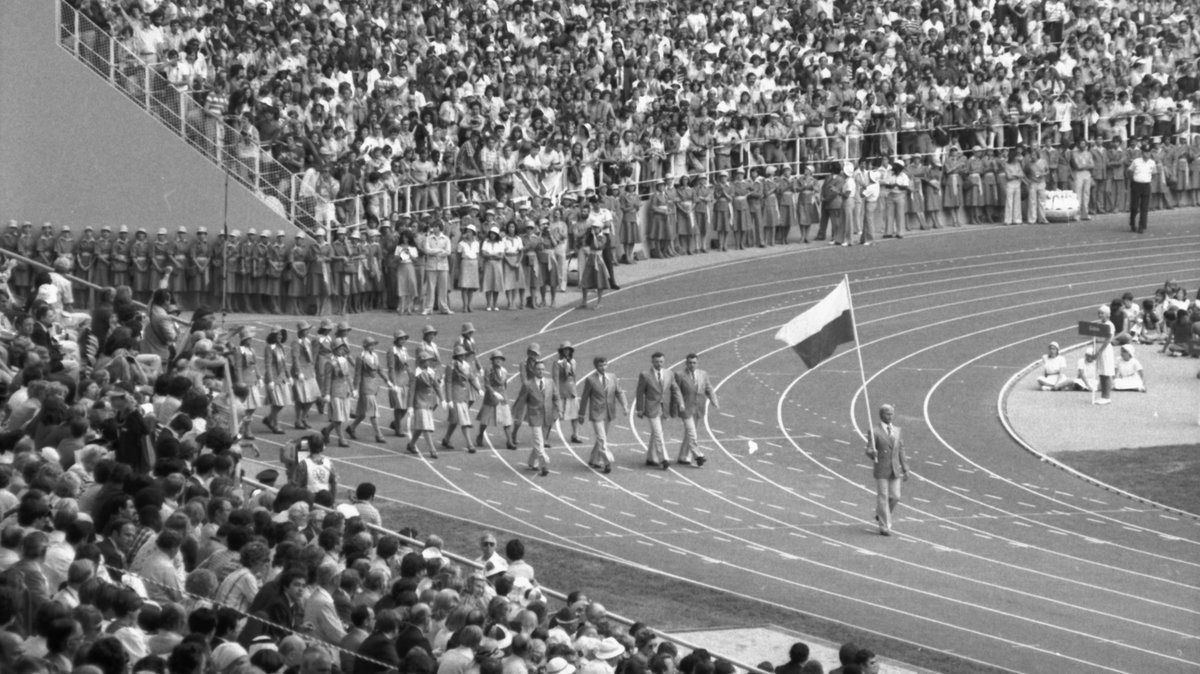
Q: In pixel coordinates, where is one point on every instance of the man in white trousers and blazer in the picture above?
(657, 394)
(887, 451)
(695, 393)
(600, 400)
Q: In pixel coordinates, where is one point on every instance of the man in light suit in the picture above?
(535, 406)
(695, 392)
(887, 451)
(598, 402)
(657, 394)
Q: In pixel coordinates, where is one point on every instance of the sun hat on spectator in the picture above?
(497, 355)
(534, 350)
(609, 648)
(428, 330)
(468, 329)
(559, 666)
(225, 655)
(262, 643)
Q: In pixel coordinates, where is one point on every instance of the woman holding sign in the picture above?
(1105, 364)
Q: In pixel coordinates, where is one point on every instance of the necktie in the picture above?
(660, 379)
(891, 435)
(541, 386)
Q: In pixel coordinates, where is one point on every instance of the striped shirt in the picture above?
(237, 590)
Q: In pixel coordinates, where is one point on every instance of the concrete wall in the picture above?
(75, 151)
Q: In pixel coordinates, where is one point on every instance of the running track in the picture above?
(998, 558)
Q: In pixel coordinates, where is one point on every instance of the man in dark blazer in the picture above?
(695, 392)
(380, 646)
(657, 394)
(534, 405)
(887, 451)
(412, 631)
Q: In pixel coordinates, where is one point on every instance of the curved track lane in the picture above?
(999, 558)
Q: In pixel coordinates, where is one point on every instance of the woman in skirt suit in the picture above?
(139, 256)
(952, 187)
(398, 367)
(807, 213)
(491, 252)
(915, 212)
(932, 188)
(406, 272)
(339, 390)
(468, 266)
(423, 398)
(514, 279)
(495, 410)
(593, 275)
(659, 227)
(973, 187)
(460, 385)
(992, 168)
(368, 379)
(277, 377)
(303, 353)
(547, 261)
(245, 371)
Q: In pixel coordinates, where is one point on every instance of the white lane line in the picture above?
(723, 540)
(1024, 524)
(793, 468)
(645, 543)
(918, 499)
(841, 441)
(509, 483)
(772, 505)
(678, 552)
(1057, 532)
(947, 526)
(755, 421)
(1168, 517)
(966, 470)
(776, 445)
(769, 463)
(993, 496)
(597, 506)
(627, 514)
(1064, 493)
(724, 472)
(848, 503)
(582, 526)
(1027, 505)
(702, 510)
(1095, 520)
(726, 415)
(983, 536)
(670, 502)
(661, 524)
(833, 458)
(552, 517)
(731, 517)
(1129, 528)
(1096, 500)
(934, 463)
(825, 477)
(520, 509)
(448, 467)
(954, 507)
(481, 476)
(493, 502)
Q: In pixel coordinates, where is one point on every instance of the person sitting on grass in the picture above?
(1087, 376)
(1054, 367)
(1129, 373)
(1182, 339)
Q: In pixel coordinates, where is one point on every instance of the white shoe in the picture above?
(1104, 401)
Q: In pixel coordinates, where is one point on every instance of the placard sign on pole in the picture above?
(1090, 329)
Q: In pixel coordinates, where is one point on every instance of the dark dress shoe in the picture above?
(411, 449)
(351, 433)
(608, 469)
(701, 460)
(544, 472)
(575, 440)
(343, 443)
(652, 463)
(665, 465)
(684, 463)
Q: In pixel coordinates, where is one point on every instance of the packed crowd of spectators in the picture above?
(523, 98)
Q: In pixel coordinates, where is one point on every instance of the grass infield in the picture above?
(1167, 474)
(666, 604)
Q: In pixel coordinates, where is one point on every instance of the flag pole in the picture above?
(861, 370)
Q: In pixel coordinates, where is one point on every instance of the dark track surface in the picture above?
(998, 558)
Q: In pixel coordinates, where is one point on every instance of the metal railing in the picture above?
(235, 150)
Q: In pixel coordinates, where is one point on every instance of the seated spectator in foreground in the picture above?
(1129, 373)
(1054, 365)
(1087, 377)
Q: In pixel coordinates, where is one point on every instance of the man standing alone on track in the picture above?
(1141, 173)
(657, 394)
(887, 451)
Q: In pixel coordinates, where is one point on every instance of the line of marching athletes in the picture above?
(315, 369)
